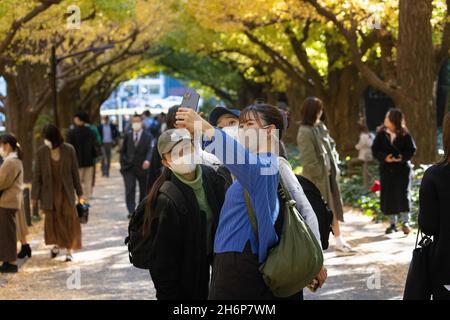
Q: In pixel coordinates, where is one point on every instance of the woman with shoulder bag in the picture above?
(11, 198)
(55, 182)
(434, 218)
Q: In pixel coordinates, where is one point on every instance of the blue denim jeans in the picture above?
(405, 217)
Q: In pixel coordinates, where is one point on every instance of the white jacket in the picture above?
(364, 147)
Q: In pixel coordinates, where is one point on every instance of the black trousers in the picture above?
(106, 158)
(236, 276)
(131, 178)
(8, 239)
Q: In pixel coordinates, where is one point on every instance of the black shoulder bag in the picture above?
(418, 283)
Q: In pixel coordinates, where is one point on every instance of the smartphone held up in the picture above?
(190, 100)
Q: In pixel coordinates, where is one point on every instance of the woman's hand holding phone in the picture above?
(187, 118)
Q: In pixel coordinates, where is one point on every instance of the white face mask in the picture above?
(2, 152)
(137, 126)
(252, 138)
(184, 165)
(48, 144)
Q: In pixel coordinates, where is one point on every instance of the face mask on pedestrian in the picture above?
(137, 126)
(184, 164)
(254, 138)
(48, 143)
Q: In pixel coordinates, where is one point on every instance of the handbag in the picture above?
(83, 212)
(296, 260)
(418, 283)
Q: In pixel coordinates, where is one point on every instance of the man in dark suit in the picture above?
(135, 156)
(82, 138)
(109, 135)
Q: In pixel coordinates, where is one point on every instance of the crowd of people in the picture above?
(212, 195)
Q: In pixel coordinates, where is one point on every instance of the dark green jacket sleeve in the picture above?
(309, 159)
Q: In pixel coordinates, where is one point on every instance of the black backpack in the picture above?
(139, 242)
(320, 207)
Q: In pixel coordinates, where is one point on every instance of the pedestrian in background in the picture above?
(109, 136)
(11, 199)
(56, 180)
(434, 217)
(394, 147)
(135, 157)
(155, 162)
(319, 159)
(82, 138)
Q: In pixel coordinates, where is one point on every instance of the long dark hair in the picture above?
(12, 141)
(397, 118)
(171, 117)
(152, 196)
(265, 112)
(52, 134)
(311, 107)
(446, 140)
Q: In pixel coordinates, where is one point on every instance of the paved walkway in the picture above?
(377, 271)
(103, 265)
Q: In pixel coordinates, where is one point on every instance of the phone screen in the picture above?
(190, 99)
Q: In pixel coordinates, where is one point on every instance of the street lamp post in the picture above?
(54, 60)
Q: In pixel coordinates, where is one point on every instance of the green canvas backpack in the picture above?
(297, 258)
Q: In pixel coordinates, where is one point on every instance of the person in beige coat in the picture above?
(11, 198)
(319, 159)
(55, 182)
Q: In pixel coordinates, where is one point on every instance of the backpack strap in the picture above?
(174, 194)
(251, 213)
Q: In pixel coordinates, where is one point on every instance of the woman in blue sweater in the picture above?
(254, 162)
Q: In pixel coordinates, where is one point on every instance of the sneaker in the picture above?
(344, 248)
(54, 252)
(25, 250)
(406, 229)
(8, 268)
(392, 229)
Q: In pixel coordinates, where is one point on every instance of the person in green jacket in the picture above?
(319, 159)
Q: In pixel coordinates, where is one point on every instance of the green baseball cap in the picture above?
(169, 138)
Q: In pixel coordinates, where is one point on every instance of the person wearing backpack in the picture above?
(181, 216)
(239, 250)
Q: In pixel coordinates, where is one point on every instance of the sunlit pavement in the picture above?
(102, 265)
(378, 269)
(102, 270)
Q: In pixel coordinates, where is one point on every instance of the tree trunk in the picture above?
(415, 64)
(248, 94)
(342, 108)
(68, 100)
(23, 88)
(295, 94)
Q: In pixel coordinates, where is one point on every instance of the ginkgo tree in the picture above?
(129, 27)
(414, 44)
(289, 48)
